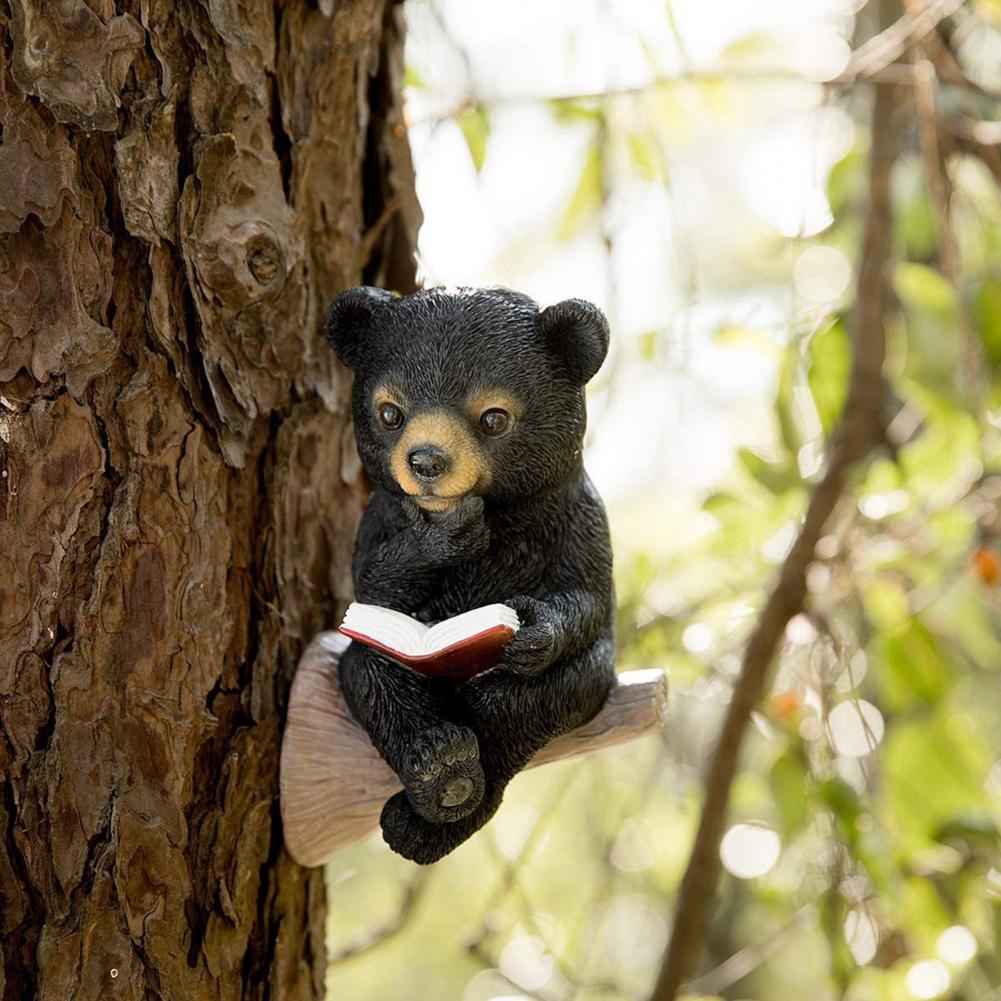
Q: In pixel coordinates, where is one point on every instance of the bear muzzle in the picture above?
(438, 459)
(428, 462)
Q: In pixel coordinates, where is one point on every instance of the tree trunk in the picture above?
(184, 184)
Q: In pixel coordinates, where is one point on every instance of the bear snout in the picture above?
(438, 455)
(428, 462)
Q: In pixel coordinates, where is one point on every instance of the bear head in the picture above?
(467, 391)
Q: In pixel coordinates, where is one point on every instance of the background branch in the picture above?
(857, 430)
(396, 923)
(880, 51)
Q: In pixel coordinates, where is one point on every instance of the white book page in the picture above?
(460, 627)
(393, 629)
(401, 632)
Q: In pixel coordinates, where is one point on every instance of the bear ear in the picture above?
(576, 332)
(349, 318)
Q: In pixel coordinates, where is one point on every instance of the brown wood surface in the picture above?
(334, 782)
(183, 188)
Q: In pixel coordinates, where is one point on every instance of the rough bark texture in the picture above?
(183, 186)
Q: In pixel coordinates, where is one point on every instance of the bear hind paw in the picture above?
(442, 775)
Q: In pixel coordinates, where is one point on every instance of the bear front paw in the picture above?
(531, 650)
(442, 775)
(450, 536)
(533, 647)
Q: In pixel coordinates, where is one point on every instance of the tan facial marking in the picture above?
(386, 393)
(468, 468)
(492, 399)
(437, 504)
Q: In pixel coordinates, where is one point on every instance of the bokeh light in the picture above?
(749, 850)
(822, 274)
(855, 727)
(956, 945)
(526, 961)
(927, 979)
(687, 167)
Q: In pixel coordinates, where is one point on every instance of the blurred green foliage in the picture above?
(875, 758)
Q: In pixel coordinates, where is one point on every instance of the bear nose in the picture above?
(428, 462)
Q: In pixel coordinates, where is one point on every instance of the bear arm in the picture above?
(389, 567)
(555, 627)
(578, 618)
(579, 596)
(396, 576)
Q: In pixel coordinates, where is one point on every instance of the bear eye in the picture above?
(390, 416)
(495, 421)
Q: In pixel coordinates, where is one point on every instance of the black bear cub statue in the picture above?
(469, 417)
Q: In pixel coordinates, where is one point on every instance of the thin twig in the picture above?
(855, 434)
(889, 45)
(890, 75)
(746, 960)
(872, 62)
(924, 104)
(988, 155)
(396, 924)
(948, 253)
(949, 69)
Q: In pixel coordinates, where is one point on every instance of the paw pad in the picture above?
(444, 779)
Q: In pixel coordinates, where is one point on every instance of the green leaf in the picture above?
(845, 183)
(570, 111)
(923, 288)
(917, 672)
(843, 801)
(785, 403)
(961, 617)
(886, 603)
(475, 125)
(947, 449)
(832, 923)
(645, 156)
(750, 46)
(774, 477)
(586, 199)
(914, 221)
(646, 344)
(882, 477)
(411, 78)
(973, 829)
(830, 361)
(933, 773)
(922, 912)
(987, 318)
(788, 782)
(732, 335)
(933, 357)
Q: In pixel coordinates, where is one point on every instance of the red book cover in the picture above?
(458, 661)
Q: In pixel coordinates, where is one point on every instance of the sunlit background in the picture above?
(697, 168)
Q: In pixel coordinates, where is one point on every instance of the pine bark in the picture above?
(184, 184)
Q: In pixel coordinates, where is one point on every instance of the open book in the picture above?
(455, 648)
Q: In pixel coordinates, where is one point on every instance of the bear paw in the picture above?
(411, 836)
(442, 774)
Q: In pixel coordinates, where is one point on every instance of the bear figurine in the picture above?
(469, 416)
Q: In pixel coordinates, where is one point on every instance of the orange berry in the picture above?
(785, 704)
(987, 563)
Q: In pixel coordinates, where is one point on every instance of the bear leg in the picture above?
(437, 760)
(514, 717)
